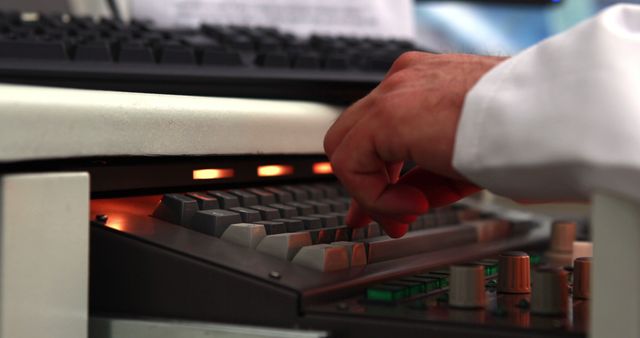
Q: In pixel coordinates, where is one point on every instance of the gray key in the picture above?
(176, 209)
(267, 213)
(319, 207)
(273, 228)
(313, 192)
(336, 205)
(323, 257)
(286, 211)
(329, 190)
(356, 252)
(282, 196)
(303, 209)
(246, 198)
(293, 225)
(215, 222)
(328, 235)
(373, 230)
(298, 194)
(205, 202)
(264, 197)
(284, 246)
(309, 222)
(248, 215)
(341, 216)
(357, 234)
(244, 234)
(225, 199)
(327, 220)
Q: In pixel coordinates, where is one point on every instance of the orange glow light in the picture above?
(212, 174)
(274, 170)
(322, 168)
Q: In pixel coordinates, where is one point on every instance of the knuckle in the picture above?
(407, 59)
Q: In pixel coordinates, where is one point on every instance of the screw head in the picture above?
(102, 218)
(275, 274)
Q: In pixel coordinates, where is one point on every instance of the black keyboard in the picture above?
(80, 52)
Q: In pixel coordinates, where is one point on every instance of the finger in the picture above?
(344, 123)
(438, 190)
(359, 167)
(357, 217)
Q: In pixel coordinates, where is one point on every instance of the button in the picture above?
(273, 228)
(292, 225)
(582, 249)
(307, 61)
(246, 198)
(220, 58)
(176, 209)
(33, 50)
(581, 280)
(264, 197)
(215, 222)
(267, 213)
(466, 288)
(336, 205)
(303, 209)
(286, 211)
(319, 207)
(284, 246)
(94, 51)
(329, 191)
(563, 234)
(441, 280)
(341, 216)
(355, 251)
(298, 194)
(244, 234)
(225, 199)
(248, 215)
(328, 221)
(313, 192)
(323, 257)
(135, 53)
(387, 292)
(273, 60)
(550, 291)
(177, 55)
(430, 283)
(309, 222)
(373, 230)
(205, 202)
(514, 274)
(357, 234)
(282, 196)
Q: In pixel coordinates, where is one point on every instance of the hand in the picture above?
(412, 115)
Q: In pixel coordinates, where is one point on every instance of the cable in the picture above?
(115, 12)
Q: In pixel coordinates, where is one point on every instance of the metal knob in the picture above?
(550, 291)
(514, 272)
(466, 286)
(563, 234)
(581, 282)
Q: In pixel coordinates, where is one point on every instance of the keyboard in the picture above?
(229, 61)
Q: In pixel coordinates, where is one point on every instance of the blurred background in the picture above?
(482, 27)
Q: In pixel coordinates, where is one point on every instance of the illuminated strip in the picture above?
(212, 174)
(274, 170)
(322, 168)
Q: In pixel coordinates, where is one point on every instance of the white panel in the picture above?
(615, 307)
(44, 256)
(45, 123)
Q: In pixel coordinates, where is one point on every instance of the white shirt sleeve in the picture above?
(561, 120)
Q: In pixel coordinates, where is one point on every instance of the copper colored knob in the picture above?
(514, 272)
(466, 286)
(550, 291)
(563, 234)
(581, 283)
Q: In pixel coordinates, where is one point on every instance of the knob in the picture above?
(550, 291)
(514, 272)
(581, 283)
(466, 286)
(563, 234)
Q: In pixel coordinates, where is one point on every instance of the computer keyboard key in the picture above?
(327, 220)
(303, 209)
(309, 222)
(99, 51)
(341, 216)
(299, 194)
(329, 190)
(205, 202)
(307, 61)
(248, 215)
(336, 205)
(285, 210)
(373, 230)
(356, 252)
(176, 209)
(336, 62)
(247, 199)
(284, 246)
(292, 225)
(214, 222)
(357, 234)
(313, 192)
(267, 213)
(273, 60)
(264, 197)
(323, 257)
(225, 199)
(220, 58)
(282, 196)
(177, 55)
(273, 227)
(135, 53)
(33, 50)
(244, 234)
(319, 207)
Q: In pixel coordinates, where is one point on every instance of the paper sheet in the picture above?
(373, 18)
